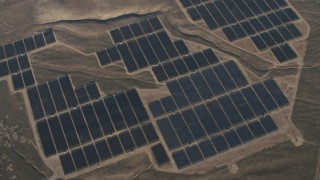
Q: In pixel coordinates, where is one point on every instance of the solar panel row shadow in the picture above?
(135, 30)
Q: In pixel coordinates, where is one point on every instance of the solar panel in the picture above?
(244, 134)
(46, 99)
(219, 143)
(207, 149)
(39, 40)
(2, 53)
(13, 65)
(115, 114)
(92, 121)
(276, 92)
(232, 138)
(240, 19)
(181, 159)
(194, 154)
(9, 50)
(81, 94)
(57, 134)
(45, 138)
(156, 108)
(257, 129)
(127, 141)
(17, 81)
(92, 90)
(91, 154)
(181, 47)
(160, 154)
(268, 124)
(69, 129)
(200, 123)
(115, 146)
(150, 133)
(30, 44)
(138, 137)
(68, 91)
(81, 126)
(28, 78)
(49, 36)
(79, 159)
(103, 150)
(19, 47)
(57, 95)
(126, 109)
(168, 133)
(67, 163)
(103, 117)
(35, 103)
(4, 70)
(23, 62)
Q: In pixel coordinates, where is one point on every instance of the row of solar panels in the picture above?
(135, 30)
(14, 65)
(220, 143)
(105, 149)
(199, 86)
(26, 45)
(57, 95)
(92, 121)
(185, 127)
(267, 22)
(143, 52)
(221, 13)
(275, 37)
(261, 24)
(186, 64)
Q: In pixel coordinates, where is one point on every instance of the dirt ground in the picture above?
(81, 29)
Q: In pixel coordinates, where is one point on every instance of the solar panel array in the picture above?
(221, 142)
(14, 60)
(19, 69)
(68, 117)
(26, 45)
(210, 104)
(143, 50)
(108, 148)
(135, 30)
(268, 23)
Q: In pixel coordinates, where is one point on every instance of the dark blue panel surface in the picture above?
(206, 119)
(232, 138)
(92, 121)
(244, 133)
(127, 141)
(45, 138)
(268, 124)
(194, 124)
(57, 95)
(103, 150)
(138, 137)
(81, 126)
(103, 117)
(69, 129)
(91, 154)
(181, 159)
(150, 133)
(219, 143)
(57, 134)
(257, 129)
(126, 109)
(115, 146)
(207, 148)
(194, 154)
(67, 163)
(276, 92)
(160, 154)
(79, 159)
